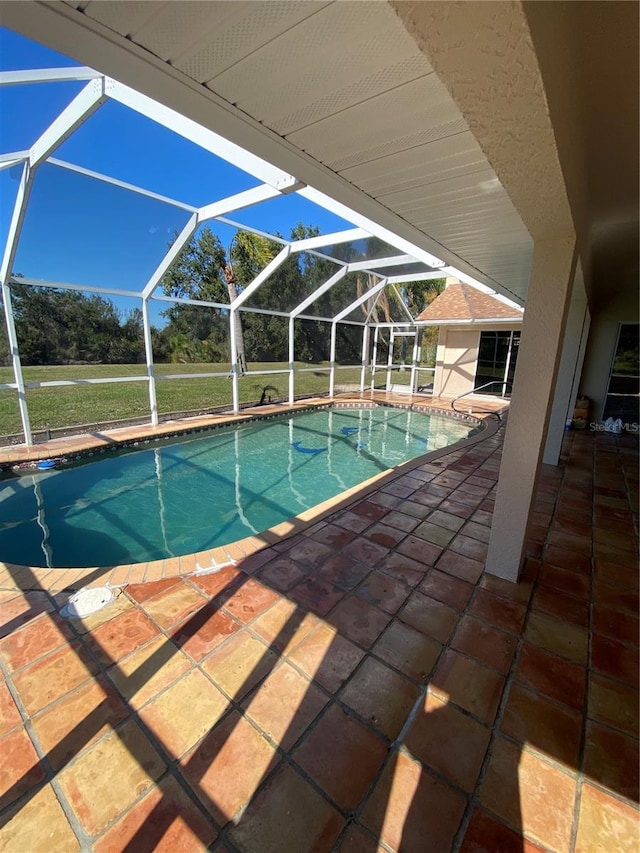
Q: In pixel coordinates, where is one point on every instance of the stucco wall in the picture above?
(457, 357)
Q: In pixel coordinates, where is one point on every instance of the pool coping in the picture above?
(210, 560)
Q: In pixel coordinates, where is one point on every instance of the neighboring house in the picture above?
(478, 341)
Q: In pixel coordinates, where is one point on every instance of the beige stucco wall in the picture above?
(456, 361)
(457, 357)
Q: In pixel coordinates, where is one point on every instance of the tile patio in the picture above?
(359, 686)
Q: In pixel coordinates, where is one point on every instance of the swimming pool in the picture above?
(185, 495)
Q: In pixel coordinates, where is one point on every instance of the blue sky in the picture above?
(87, 232)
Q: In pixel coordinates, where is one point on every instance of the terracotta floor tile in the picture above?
(220, 582)
(141, 592)
(567, 559)
(357, 840)
(288, 815)
(354, 521)
(530, 794)
(404, 569)
(508, 615)
(342, 571)
(369, 510)
(20, 768)
(317, 594)
(383, 592)
(37, 638)
(616, 625)
(447, 589)
(561, 606)
(239, 664)
(342, 757)
(204, 632)
(461, 567)
(614, 703)
(249, 600)
(98, 797)
(410, 805)
(454, 507)
(309, 552)
(284, 625)
(365, 551)
(38, 825)
(408, 650)
(285, 705)
(9, 713)
(565, 581)
(556, 677)
(226, 768)
(282, 573)
(22, 608)
(433, 533)
(612, 760)
(615, 659)
(381, 696)
(420, 550)
(605, 824)
(429, 616)
(359, 621)
(487, 835)
(120, 636)
(333, 536)
(617, 598)
(148, 670)
(485, 643)
(561, 638)
(468, 684)
(416, 510)
(52, 676)
(166, 821)
(185, 712)
(384, 535)
(469, 547)
(446, 520)
(78, 720)
(448, 741)
(401, 521)
(174, 605)
(530, 718)
(327, 657)
(477, 531)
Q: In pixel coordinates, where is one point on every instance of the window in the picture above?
(497, 356)
(623, 393)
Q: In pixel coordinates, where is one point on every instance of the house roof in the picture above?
(463, 303)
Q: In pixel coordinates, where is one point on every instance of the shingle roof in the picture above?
(465, 303)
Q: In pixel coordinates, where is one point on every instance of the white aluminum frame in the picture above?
(272, 183)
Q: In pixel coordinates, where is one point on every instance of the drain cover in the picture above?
(87, 601)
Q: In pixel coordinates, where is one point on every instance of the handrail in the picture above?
(479, 388)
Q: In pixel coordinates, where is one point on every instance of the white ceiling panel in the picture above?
(344, 83)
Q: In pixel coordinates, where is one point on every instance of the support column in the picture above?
(575, 343)
(332, 357)
(234, 361)
(148, 349)
(292, 357)
(540, 347)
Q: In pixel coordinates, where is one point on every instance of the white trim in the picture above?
(196, 133)
(98, 176)
(326, 240)
(72, 116)
(263, 192)
(370, 265)
(181, 300)
(48, 75)
(318, 292)
(418, 276)
(65, 285)
(178, 245)
(262, 276)
(148, 350)
(360, 300)
(372, 227)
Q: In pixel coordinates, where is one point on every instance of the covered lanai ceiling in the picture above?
(338, 95)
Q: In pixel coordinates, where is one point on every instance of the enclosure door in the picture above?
(401, 368)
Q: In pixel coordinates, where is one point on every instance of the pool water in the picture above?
(185, 495)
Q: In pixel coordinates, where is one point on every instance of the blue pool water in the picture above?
(185, 495)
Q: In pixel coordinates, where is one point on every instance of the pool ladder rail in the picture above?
(479, 388)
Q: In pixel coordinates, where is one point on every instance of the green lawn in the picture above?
(69, 405)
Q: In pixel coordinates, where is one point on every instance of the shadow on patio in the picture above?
(359, 686)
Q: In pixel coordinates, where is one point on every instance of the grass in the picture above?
(71, 405)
